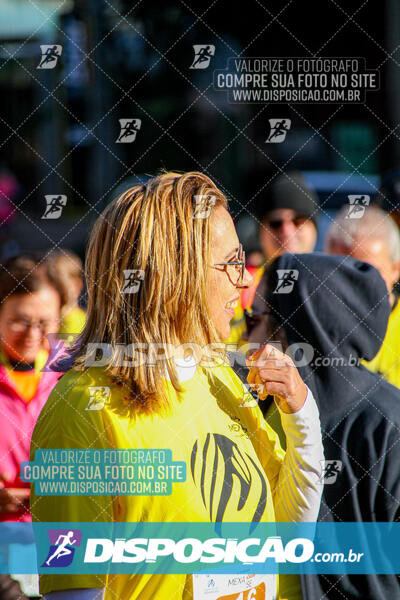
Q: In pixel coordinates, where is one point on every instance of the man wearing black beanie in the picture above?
(287, 215)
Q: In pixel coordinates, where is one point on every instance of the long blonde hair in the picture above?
(150, 228)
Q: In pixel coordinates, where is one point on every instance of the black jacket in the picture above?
(340, 307)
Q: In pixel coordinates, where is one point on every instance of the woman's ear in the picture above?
(78, 284)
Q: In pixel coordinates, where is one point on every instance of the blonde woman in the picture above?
(176, 234)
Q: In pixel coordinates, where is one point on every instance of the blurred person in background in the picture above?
(254, 258)
(287, 214)
(29, 310)
(68, 270)
(335, 315)
(374, 238)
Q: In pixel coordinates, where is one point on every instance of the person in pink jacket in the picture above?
(29, 311)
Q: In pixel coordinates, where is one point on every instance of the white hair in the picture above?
(375, 223)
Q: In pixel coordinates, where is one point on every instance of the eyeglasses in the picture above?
(20, 325)
(297, 221)
(236, 268)
(254, 318)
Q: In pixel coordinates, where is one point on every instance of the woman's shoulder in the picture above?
(77, 393)
(74, 409)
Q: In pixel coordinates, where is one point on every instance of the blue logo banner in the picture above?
(185, 548)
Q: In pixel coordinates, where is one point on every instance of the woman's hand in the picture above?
(276, 374)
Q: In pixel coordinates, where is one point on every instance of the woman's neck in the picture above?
(18, 365)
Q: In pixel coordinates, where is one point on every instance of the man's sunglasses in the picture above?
(297, 221)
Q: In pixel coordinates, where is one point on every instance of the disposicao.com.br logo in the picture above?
(184, 551)
(86, 548)
(193, 550)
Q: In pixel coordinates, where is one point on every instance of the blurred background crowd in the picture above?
(59, 126)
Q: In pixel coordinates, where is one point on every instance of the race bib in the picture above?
(234, 587)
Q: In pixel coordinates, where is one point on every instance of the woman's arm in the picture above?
(299, 488)
(295, 477)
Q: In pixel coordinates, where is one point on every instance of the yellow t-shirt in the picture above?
(387, 361)
(206, 422)
(73, 321)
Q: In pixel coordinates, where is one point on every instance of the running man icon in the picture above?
(129, 129)
(54, 206)
(330, 471)
(357, 205)
(50, 56)
(133, 281)
(279, 129)
(99, 395)
(202, 56)
(287, 279)
(62, 549)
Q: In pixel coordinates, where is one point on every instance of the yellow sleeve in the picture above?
(268, 448)
(65, 424)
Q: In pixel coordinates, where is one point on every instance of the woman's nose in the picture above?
(247, 279)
